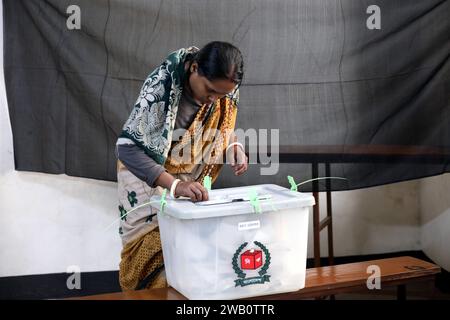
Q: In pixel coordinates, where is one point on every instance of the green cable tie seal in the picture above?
(207, 182)
(292, 183)
(254, 200)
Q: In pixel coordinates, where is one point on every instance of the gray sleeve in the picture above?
(139, 163)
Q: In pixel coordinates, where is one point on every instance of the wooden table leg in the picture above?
(316, 215)
(329, 215)
(330, 221)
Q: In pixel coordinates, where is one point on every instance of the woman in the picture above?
(192, 91)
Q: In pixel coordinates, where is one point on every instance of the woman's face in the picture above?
(204, 91)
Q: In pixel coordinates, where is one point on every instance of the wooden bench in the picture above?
(322, 281)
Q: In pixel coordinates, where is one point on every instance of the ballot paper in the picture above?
(230, 199)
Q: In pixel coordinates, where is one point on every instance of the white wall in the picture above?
(374, 220)
(49, 222)
(435, 218)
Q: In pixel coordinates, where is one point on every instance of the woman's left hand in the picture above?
(239, 161)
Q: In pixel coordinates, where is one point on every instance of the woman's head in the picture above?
(214, 71)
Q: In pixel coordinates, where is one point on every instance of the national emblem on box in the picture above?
(251, 259)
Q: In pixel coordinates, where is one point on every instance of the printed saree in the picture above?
(198, 153)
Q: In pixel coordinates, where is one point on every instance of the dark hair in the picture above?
(219, 60)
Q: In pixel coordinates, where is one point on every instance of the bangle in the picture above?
(173, 187)
(235, 143)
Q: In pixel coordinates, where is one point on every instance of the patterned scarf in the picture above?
(207, 138)
(152, 120)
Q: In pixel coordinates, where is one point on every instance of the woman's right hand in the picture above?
(191, 189)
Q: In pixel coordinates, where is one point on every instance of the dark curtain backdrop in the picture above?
(313, 70)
